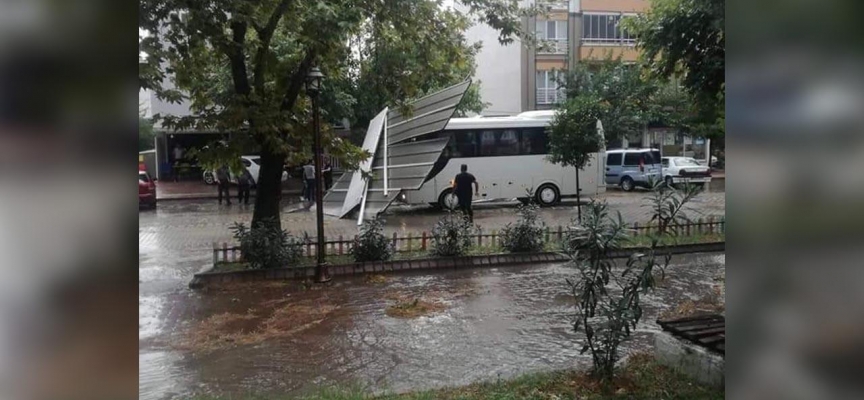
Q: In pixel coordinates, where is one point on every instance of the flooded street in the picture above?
(282, 338)
(286, 339)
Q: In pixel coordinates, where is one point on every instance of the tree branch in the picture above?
(297, 80)
(235, 55)
(265, 34)
(273, 21)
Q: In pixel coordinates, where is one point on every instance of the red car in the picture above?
(146, 190)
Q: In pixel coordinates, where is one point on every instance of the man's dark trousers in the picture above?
(223, 188)
(243, 194)
(311, 190)
(465, 207)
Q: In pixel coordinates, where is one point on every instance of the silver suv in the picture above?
(630, 168)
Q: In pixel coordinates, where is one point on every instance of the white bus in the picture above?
(507, 155)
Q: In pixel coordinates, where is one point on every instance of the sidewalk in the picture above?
(191, 190)
(198, 190)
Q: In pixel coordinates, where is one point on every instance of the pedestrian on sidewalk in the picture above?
(223, 179)
(177, 154)
(327, 171)
(462, 187)
(244, 183)
(309, 178)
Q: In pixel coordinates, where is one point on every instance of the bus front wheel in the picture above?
(548, 195)
(447, 200)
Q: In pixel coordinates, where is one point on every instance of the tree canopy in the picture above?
(624, 94)
(685, 40)
(145, 134)
(395, 63)
(242, 65)
(573, 132)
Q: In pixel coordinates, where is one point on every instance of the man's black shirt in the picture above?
(463, 185)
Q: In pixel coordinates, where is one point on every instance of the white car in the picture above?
(252, 164)
(678, 170)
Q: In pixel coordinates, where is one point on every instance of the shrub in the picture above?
(527, 234)
(267, 246)
(451, 235)
(609, 318)
(588, 247)
(371, 244)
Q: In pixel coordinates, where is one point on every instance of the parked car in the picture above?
(252, 164)
(677, 170)
(631, 168)
(146, 190)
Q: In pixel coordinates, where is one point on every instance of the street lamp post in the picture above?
(313, 88)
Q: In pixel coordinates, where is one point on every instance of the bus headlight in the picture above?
(402, 197)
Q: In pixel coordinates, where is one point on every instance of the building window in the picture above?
(554, 35)
(605, 29)
(548, 91)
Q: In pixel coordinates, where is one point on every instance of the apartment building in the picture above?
(574, 31)
(516, 77)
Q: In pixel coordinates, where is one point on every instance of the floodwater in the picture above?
(288, 339)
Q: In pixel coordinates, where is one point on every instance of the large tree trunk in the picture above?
(269, 192)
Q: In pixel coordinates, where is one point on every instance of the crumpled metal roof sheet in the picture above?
(429, 114)
(349, 190)
(408, 162)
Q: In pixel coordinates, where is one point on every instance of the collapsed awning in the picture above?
(408, 168)
(398, 162)
(349, 190)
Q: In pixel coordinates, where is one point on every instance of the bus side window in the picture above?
(533, 141)
(488, 143)
(508, 143)
(465, 144)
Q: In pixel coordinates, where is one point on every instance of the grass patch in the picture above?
(640, 378)
(229, 266)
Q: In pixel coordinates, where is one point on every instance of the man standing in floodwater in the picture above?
(462, 188)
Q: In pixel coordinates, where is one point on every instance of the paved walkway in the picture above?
(197, 190)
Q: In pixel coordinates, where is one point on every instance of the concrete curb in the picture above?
(700, 364)
(210, 277)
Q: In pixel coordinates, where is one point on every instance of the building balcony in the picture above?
(554, 46)
(608, 42)
(549, 95)
(555, 4)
